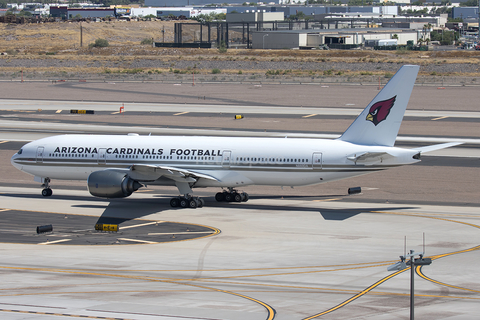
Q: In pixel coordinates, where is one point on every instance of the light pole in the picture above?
(263, 40)
(401, 265)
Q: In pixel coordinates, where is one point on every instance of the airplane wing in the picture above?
(150, 173)
(437, 147)
(369, 158)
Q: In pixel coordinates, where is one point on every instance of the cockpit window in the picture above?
(20, 151)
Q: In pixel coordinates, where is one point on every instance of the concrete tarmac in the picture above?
(274, 259)
(303, 253)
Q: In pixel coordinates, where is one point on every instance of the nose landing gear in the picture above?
(46, 192)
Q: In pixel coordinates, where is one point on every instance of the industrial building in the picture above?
(254, 16)
(465, 12)
(65, 12)
(305, 39)
(187, 12)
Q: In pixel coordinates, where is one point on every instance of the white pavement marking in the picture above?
(141, 225)
(56, 241)
(135, 240)
(186, 232)
(440, 118)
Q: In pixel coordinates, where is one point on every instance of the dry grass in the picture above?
(52, 37)
(34, 41)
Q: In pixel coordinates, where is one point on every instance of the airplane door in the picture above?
(40, 154)
(102, 156)
(317, 160)
(226, 155)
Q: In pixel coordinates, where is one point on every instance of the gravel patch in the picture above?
(252, 70)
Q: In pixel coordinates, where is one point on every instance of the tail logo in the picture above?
(380, 110)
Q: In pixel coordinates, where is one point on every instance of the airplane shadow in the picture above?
(327, 213)
(118, 211)
(121, 210)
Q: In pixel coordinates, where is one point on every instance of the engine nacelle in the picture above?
(111, 184)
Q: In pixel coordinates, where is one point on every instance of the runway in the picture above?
(304, 253)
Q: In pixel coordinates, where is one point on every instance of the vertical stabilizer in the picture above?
(379, 123)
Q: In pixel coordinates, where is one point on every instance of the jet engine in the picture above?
(111, 184)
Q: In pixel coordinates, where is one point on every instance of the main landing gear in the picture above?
(46, 192)
(231, 196)
(187, 201)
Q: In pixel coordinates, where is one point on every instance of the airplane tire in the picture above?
(228, 197)
(220, 197)
(201, 202)
(246, 197)
(192, 203)
(237, 197)
(47, 192)
(183, 203)
(174, 202)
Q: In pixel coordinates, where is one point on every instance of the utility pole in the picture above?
(402, 264)
(81, 35)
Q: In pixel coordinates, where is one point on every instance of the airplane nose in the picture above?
(13, 162)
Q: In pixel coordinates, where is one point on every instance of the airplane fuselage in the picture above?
(233, 161)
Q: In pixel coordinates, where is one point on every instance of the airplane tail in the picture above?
(379, 123)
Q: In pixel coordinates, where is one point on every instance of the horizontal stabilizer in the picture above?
(437, 147)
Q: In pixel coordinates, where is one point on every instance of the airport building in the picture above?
(346, 38)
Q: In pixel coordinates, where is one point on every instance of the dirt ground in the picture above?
(63, 47)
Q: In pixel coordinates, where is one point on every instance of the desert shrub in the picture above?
(216, 71)
(147, 41)
(328, 72)
(133, 71)
(11, 52)
(222, 48)
(99, 43)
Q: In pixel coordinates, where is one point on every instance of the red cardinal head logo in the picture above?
(380, 110)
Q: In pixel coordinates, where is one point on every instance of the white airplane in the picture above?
(116, 166)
